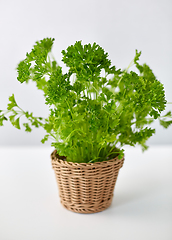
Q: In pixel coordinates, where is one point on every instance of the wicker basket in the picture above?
(86, 187)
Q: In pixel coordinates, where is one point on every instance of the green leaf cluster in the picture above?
(14, 114)
(164, 120)
(95, 109)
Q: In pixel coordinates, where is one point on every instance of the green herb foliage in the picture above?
(95, 108)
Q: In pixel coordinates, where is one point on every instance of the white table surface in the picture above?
(30, 208)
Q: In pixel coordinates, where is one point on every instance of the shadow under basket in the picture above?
(86, 187)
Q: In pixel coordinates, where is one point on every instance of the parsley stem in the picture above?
(130, 65)
(70, 109)
(52, 136)
(95, 89)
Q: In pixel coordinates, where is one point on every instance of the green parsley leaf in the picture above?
(12, 102)
(165, 124)
(27, 127)
(2, 118)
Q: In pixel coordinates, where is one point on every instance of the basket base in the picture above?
(87, 208)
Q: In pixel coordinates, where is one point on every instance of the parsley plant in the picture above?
(95, 108)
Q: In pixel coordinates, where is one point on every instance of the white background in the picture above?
(119, 27)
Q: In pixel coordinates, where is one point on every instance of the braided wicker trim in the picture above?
(86, 187)
(61, 160)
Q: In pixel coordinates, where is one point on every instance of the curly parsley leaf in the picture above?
(46, 137)
(36, 65)
(165, 124)
(27, 127)
(12, 102)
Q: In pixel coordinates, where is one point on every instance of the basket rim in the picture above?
(54, 158)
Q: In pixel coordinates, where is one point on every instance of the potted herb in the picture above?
(95, 109)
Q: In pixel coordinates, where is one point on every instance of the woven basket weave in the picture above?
(86, 187)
